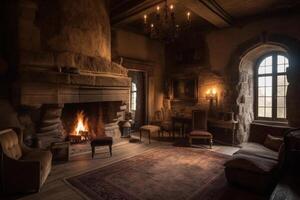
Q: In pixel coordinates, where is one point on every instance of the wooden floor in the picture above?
(56, 188)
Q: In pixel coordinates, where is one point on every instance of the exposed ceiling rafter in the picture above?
(211, 11)
(136, 11)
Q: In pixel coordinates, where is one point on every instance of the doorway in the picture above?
(138, 97)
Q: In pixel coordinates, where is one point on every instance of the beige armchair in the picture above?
(21, 169)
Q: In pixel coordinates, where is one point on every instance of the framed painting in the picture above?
(184, 89)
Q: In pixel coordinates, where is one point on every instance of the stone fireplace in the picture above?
(64, 67)
(78, 122)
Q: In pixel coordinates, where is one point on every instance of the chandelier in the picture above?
(162, 25)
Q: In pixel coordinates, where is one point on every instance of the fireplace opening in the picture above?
(78, 123)
(84, 121)
(81, 130)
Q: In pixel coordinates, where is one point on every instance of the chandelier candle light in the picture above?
(163, 26)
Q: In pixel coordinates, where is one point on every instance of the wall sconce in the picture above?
(211, 94)
(212, 97)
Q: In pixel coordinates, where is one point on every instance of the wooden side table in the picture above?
(60, 151)
(149, 129)
(183, 121)
(229, 126)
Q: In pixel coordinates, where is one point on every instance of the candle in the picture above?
(172, 7)
(188, 14)
(172, 11)
(157, 13)
(145, 19)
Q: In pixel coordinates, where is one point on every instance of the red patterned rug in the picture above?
(164, 173)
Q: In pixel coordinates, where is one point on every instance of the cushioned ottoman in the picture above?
(252, 172)
(101, 141)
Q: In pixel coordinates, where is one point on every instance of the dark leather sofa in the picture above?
(256, 166)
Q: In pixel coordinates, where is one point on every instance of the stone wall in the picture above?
(58, 51)
(81, 27)
(226, 51)
(206, 80)
(188, 57)
(65, 33)
(64, 46)
(233, 52)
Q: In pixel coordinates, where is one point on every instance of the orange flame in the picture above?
(82, 123)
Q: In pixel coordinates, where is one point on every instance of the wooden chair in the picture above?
(164, 123)
(199, 125)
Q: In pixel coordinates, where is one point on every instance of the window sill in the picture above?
(276, 123)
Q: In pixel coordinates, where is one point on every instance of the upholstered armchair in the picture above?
(21, 169)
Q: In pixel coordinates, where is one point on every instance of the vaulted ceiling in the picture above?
(205, 13)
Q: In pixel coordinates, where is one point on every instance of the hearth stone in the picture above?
(50, 127)
(113, 130)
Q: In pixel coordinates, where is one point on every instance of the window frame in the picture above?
(274, 76)
(132, 92)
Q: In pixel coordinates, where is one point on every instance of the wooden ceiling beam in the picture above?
(211, 11)
(137, 11)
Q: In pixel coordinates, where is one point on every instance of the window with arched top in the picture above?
(271, 87)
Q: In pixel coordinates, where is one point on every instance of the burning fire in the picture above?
(82, 124)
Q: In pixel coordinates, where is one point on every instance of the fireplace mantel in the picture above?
(44, 87)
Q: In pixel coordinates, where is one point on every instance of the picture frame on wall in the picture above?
(185, 89)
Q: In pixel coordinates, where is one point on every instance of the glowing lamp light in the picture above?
(171, 7)
(211, 94)
(157, 8)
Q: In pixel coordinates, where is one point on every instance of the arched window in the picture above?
(271, 86)
(133, 96)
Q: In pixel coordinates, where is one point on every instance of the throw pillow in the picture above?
(273, 143)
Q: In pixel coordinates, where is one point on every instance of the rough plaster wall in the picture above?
(80, 26)
(131, 45)
(223, 43)
(223, 46)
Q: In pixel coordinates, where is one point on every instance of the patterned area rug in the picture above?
(164, 174)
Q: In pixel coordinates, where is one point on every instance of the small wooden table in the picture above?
(60, 151)
(183, 120)
(227, 125)
(149, 129)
